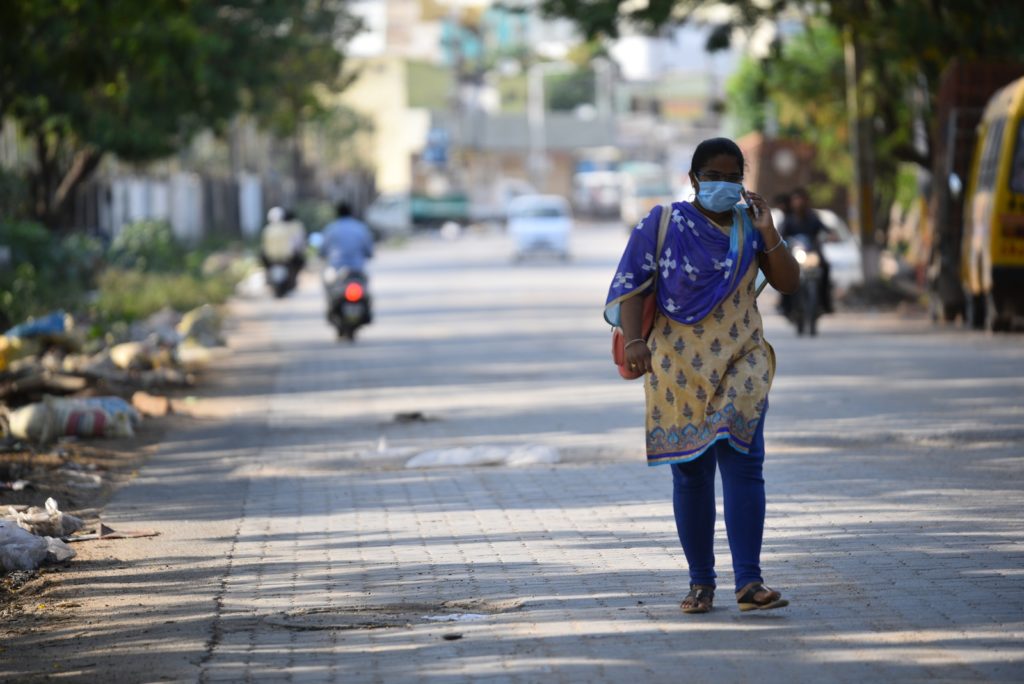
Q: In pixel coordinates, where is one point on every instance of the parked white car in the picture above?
(841, 247)
(389, 216)
(540, 223)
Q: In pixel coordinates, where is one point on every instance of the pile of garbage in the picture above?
(55, 383)
(61, 384)
(31, 536)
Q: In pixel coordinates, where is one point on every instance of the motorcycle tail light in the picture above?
(353, 292)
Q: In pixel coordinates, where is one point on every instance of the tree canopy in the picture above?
(139, 79)
(902, 49)
(904, 45)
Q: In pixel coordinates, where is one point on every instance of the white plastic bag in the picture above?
(20, 550)
(48, 522)
(31, 422)
(57, 551)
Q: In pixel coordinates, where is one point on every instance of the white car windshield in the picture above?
(539, 212)
(538, 209)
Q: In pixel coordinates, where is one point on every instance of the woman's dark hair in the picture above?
(714, 147)
(343, 209)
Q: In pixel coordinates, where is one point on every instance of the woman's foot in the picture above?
(699, 600)
(756, 596)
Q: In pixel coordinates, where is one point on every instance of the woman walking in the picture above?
(708, 367)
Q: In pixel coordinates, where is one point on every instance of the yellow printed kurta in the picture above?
(710, 380)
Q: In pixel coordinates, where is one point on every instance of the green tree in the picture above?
(802, 84)
(904, 45)
(566, 92)
(139, 79)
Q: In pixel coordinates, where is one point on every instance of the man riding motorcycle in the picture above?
(802, 220)
(347, 244)
(347, 241)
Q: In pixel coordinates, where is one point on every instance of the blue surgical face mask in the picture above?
(719, 196)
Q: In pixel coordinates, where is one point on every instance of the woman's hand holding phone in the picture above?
(755, 212)
(762, 217)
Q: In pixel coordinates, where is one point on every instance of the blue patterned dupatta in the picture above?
(699, 265)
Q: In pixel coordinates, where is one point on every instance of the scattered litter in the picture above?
(202, 326)
(413, 417)
(159, 328)
(57, 551)
(151, 404)
(384, 450)
(131, 355)
(46, 522)
(76, 477)
(22, 550)
(16, 485)
(114, 406)
(514, 456)
(104, 532)
(14, 348)
(43, 422)
(457, 617)
(54, 323)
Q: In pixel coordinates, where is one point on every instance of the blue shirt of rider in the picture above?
(348, 243)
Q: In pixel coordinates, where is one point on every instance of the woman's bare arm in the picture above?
(778, 264)
(631, 313)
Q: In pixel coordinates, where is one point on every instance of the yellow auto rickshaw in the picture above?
(992, 250)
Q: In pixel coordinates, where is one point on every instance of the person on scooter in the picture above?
(283, 241)
(348, 242)
(802, 220)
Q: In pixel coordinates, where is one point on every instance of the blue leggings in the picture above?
(694, 502)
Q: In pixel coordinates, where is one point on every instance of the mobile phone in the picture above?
(753, 207)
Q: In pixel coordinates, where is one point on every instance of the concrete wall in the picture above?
(381, 95)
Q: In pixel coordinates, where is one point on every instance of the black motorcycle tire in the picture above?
(809, 308)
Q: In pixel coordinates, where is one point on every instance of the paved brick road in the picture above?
(294, 542)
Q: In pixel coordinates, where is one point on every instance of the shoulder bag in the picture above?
(650, 308)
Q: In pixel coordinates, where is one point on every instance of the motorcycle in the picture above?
(805, 305)
(348, 301)
(282, 278)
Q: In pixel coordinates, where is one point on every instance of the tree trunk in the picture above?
(861, 149)
(83, 165)
(52, 187)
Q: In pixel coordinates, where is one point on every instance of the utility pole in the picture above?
(536, 117)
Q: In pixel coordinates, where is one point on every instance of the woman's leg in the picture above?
(693, 498)
(743, 490)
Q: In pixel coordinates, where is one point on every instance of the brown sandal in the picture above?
(699, 600)
(756, 596)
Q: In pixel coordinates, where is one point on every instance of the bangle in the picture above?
(777, 245)
(631, 342)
